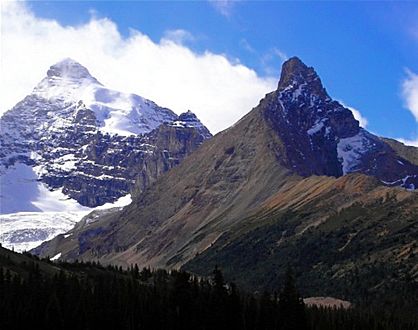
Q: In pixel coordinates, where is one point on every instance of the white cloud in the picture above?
(410, 96)
(223, 6)
(246, 45)
(167, 72)
(281, 55)
(410, 93)
(357, 115)
(413, 143)
(269, 61)
(179, 36)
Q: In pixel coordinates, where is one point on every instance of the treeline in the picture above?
(90, 296)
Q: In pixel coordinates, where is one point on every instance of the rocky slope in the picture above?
(285, 154)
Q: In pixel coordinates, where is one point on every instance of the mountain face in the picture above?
(92, 143)
(321, 137)
(296, 181)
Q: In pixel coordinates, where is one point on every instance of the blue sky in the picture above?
(361, 50)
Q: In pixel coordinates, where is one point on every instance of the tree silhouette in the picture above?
(291, 305)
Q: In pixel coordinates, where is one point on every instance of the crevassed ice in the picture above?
(30, 213)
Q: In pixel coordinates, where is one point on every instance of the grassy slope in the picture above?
(342, 242)
(408, 152)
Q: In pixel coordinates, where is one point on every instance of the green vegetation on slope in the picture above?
(365, 253)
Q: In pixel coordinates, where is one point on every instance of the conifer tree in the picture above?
(291, 305)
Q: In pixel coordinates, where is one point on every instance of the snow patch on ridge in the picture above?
(350, 150)
(317, 126)
(56, 257)
(404, 182)
(189, 119)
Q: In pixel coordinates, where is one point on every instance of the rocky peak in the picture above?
(304, 106)
(188, 116)
(322, 137)
(189, 119)
(297, 77)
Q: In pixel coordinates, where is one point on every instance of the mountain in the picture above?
(73, 144)
(291, 159)
(321, 137)
(295, 181)
(92, 141)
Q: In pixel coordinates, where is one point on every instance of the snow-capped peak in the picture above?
(69, 83)
(74, 142)
(70, 70)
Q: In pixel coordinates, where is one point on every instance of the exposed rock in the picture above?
(93, 142)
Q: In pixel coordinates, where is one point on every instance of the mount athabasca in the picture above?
(73, 146)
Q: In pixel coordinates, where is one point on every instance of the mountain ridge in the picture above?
(232, 175)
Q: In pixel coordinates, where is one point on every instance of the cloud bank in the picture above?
(168, 72)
